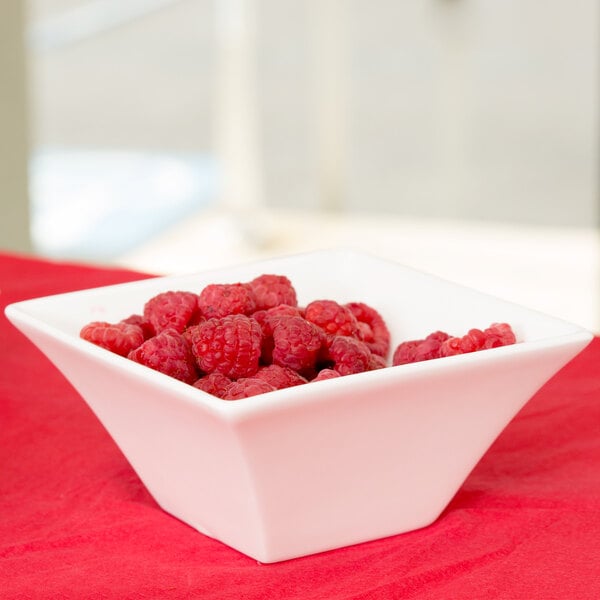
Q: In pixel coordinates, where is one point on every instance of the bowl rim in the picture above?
(19, 315)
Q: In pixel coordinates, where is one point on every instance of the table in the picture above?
(78, 523)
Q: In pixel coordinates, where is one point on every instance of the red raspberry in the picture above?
(438, 336)
(273, 290)
(324, 374)
(296, 343)
(213, 383)
(377, 362)
(264, 317)
(451, 347)
(246, 387)
(405, 352)
(499, 334)
(349, 355)
(279, 377)
(171, 310)
(169, 353)
(333, 318)
(472, 341)
(221, 299)
(229, 345)
(146, 326)
(373, 330)
(267, 320)
(419, 350)
(430, 347)
(120, 338)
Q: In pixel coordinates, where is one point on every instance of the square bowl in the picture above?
(326, 464)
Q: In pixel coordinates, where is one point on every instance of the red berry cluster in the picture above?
(238, 340)
(241, 339)
(439, 344)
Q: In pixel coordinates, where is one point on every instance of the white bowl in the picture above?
(323, 465)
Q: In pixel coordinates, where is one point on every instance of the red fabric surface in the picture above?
(77, 523)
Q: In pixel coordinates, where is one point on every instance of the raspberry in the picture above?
(457, 345)
(430, 347)
(147, 328)
(332, 318)
(213, 383)
(296, 343)
(476, 339)
(273, 290)
(264, 317)
(221, 299)
(268, 319)
(451, 347)
(438, 336)
(419, 350)
(373, 330)
(279, 377)
(169, 353)
(246, 387)
(405, 352)
(119, 338)
(472, 341)
(499, 334)
(326, 374)
(348, 355)
(171, 310)
(229, 345)
(377, 362)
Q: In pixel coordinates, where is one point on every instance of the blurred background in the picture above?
(460, 137)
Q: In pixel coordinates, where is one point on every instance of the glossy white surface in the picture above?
(324, 465)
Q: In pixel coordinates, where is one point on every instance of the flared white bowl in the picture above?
(326, 464)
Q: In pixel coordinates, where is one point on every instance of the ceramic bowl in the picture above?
(326, 464)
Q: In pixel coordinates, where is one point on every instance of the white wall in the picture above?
(452, 108)
(14, 222)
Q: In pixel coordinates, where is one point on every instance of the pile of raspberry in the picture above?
(439, 344)
(235, 340)
(241, 339)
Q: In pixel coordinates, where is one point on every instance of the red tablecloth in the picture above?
(77, 523)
